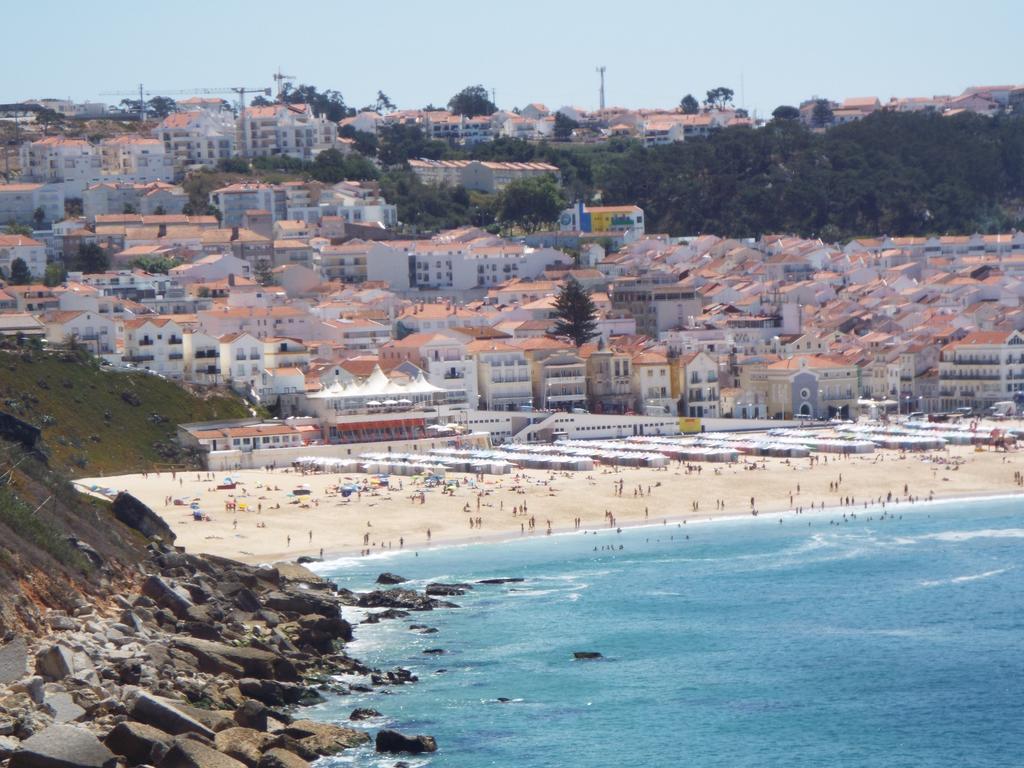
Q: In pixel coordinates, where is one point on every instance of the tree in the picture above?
(13, 228)
(330, 104)
(159, 211)
(331, 167)
(161, 106)
(91, 259)
(821, 115)
(55, 274)
(575, 314)
(48, 117)
(472, 101)
(384, 104)
(689, 105)
(38, 218)
(20, 274)
(719, 98)
(564, 126)
(366, 143)
(73, 207)
(785, 112)
(263, 271)
(261, 101)
(128, 209)
(530, 203)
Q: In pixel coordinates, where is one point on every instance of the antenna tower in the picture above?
(600, 71)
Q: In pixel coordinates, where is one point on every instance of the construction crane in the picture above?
(281, 79)
(142, 93)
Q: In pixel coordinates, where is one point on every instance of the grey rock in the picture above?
(323, 738)
(166, 716)
(137, 515)
(138, 742)
(244, 744)
(281, 758)
(219, 658)
(63, 746)
(33, 686)
(55, 662)
(252, 714)
(177, 601)
(13, 660)
(393, 741)
(186, 753)
(363, 713)
(64, 708)
(8, 747)
(391, 578)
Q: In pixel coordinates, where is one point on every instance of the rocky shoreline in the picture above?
(204, 663)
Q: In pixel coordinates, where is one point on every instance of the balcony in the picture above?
(175, 356)
(145, 342)
(174, 340)
(139, 358)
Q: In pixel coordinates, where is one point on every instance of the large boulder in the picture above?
(252, 714)
(391, 578)
(55, 662)
(398, 598)
(281, 758)
(244, 744)
(63, 707)
(175, 599)
(323, 738)
(237, 661)
(166, 716)
(186, 753)
(13, 661)
(137, 515)
(296, 602)
(321, 632)
(393, 741)
(138, 743)
(275, 694)
(63, 746)
(447, 590)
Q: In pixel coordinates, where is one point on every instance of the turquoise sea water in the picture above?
(882, 642)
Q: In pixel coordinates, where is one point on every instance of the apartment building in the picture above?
(483, 176)
(199, 137)
(983, 368)
(136, 159)
(808, 385)
(609, 379)
(589, 219)
(96, 332)
(696, 385)
(74, 163)
(652, 383)
(443, 357)
(503, 375)
(31, 251)
(658, 303)
(112, 197)
(19, 202)
(234, 200)
(156, 344)
(292, 130)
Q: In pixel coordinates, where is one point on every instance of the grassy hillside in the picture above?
(95, 421)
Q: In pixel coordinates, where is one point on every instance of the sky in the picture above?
(655, 52)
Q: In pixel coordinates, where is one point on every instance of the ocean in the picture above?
(895, 641)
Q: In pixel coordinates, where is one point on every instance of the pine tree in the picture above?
(575, 314)
(263, 272)
(20, 274)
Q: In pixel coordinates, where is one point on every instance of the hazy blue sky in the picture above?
(420, 52)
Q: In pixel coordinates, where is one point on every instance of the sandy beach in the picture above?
(268, 523)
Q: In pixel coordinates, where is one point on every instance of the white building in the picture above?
(292, 130)
(156, 344)
(32, 252)
(75, 163)
(136, 159)
(197, 138)
(19, 202)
